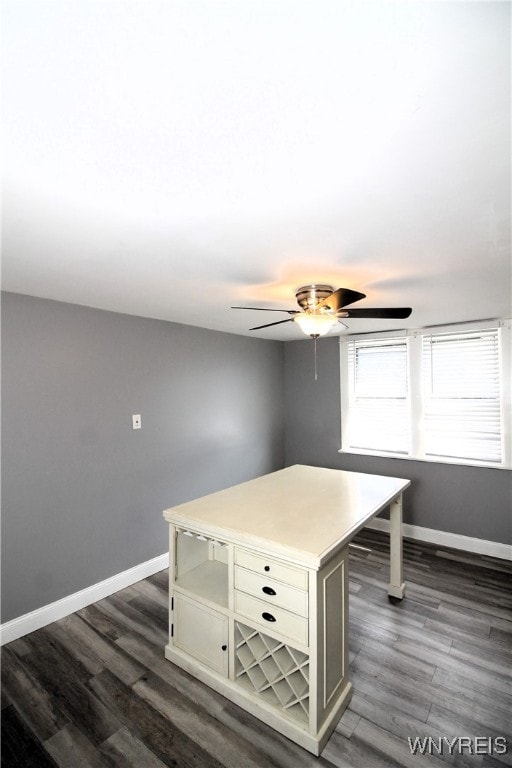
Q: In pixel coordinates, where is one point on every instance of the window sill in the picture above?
(426, 459)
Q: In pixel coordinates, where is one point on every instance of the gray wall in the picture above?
(471, 501)
(82, 492)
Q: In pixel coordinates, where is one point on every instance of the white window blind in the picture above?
(461, 387)
(434, 396)
(378, 396)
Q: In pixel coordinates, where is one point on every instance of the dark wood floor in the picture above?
(93, 689)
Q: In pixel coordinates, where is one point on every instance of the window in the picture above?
(437, 396)
(378, 413)
(462, 396)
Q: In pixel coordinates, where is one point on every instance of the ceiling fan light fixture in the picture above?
(321, 308)
(313, 324)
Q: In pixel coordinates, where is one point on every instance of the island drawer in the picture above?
(271, 591)
(272, 617)
(274, 569)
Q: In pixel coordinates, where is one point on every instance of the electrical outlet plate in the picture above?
(136, 421)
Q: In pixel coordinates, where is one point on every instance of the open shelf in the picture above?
(202, 567)
(275, 671)
(209, 580)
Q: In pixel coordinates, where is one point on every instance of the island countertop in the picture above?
(302, 513)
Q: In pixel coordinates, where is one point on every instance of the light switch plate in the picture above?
(136, 421)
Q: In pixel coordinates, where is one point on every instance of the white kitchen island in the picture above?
(258, 598)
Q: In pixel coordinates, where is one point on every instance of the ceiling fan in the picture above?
(321, 307)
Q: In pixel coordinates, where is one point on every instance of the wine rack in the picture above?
(275, 671)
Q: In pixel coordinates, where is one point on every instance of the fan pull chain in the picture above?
(314, 340)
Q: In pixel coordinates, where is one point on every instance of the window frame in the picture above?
(414, 340)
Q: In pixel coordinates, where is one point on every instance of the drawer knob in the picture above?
(268, 590)
(267, 568)
(268, 616)
(224, 647)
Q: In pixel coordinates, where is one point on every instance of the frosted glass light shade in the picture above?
(315, 325)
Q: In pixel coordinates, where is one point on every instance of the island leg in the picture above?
(396, 581)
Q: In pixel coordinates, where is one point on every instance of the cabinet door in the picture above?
(201, 632)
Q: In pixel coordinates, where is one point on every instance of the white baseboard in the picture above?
(29, 622)
(445, 539)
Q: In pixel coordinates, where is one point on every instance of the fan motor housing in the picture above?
(308, 296)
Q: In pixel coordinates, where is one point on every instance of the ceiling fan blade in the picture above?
(267, 325)
(270, 309)
(390, 312)
(340, 298)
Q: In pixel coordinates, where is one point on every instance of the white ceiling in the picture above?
(169, 159)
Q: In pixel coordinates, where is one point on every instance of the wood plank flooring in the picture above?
(93, 689)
